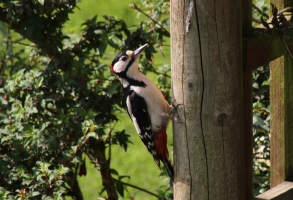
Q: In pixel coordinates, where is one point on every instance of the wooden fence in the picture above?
(261, 50)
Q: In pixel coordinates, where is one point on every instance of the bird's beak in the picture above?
(138, 51)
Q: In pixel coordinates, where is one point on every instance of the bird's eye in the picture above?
(124, 58)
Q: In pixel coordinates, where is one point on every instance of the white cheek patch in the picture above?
(120, 66)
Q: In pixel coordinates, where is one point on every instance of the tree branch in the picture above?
(134, 6)
(139, 188)
(97, 155)
(75, 191)
(261, 12)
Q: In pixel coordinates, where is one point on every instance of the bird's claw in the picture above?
(174, 110)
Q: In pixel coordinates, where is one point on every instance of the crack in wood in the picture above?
(202, 99)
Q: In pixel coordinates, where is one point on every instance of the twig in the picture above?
(21, 43)
(139, 188)
(287, 48)
(141, 11)
(109, 136)
(261, 12)
(160, 73)
(2, 67)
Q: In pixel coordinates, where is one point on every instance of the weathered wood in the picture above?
(207, 79)
(281, 95)
(247, 103)
(263, 49)
(283, 191)
(182, 158)
(277, 153)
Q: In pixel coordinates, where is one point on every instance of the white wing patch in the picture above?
(129, 108)
(135, 124)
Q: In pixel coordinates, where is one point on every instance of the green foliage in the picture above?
(261, 114)
(59, 102)
(261, 130)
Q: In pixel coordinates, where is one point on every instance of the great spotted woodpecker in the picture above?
(145, 104)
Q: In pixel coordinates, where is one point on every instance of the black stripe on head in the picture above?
(116, 59)
(122, 74)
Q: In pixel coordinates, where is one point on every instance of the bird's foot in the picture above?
(174, 110)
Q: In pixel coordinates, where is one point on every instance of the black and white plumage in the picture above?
(145, 104)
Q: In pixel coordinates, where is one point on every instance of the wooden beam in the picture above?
(263, 49)
(281, 95)
(262, 46)
(283, 191)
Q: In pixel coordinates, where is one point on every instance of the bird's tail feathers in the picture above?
(169, 167)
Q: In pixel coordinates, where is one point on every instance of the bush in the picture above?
(58, 99)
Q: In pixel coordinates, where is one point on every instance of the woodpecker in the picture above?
(145, 104)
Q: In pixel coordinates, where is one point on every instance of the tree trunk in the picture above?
(207, 79)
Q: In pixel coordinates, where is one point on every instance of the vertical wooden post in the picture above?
(281, 95)
(207, 73)
(247, 101)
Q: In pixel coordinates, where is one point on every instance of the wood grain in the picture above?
(207, 79)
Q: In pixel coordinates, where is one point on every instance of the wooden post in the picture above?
(247, 101)
(281, 94)
(281, 120)
(207, 75)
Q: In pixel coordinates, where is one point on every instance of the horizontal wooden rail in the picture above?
(280, 192)
(263, 49)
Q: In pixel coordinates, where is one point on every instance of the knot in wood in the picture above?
(222, 118)
(190, 86)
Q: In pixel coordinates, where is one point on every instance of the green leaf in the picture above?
(66, 154)
(74, 148)
(63, 170)
(122, 177)
(34, 110)
(39, 82)
(3, 193)
(113, 88)
(36, 193)
(257, 121)
(113, 44)
(113, 171)
(274, 10)
(92, 134)
(102, 47)
(76, 160)
(120, 188)
(41, 2)
(265, 24)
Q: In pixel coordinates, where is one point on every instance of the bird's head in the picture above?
(125, 65)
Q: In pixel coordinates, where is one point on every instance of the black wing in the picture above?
(137, 110)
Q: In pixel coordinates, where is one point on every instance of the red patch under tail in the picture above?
(162, 151)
